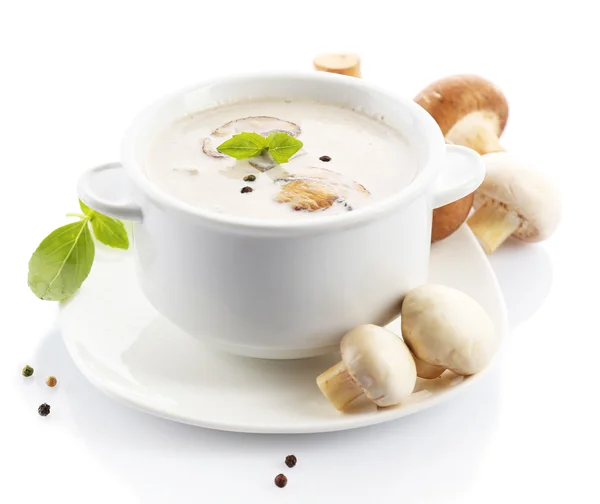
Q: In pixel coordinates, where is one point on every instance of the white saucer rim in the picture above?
(384, 415)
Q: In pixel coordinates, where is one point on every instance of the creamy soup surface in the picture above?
(348, 161)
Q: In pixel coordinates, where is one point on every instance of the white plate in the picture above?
(127, 350)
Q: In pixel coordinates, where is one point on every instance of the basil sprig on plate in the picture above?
(64, 259)
(246, 145)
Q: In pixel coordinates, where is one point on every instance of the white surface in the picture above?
(74, 75)
(126, 349)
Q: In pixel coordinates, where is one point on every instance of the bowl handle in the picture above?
(106, 189)
(462, 173)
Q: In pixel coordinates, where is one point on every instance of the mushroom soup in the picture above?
(347, 160)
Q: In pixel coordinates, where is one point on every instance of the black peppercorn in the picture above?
(325, 159)
(250, 178)
(291, 460)
(247, 189)
(280, 480)
(27, 371)
(44, 409)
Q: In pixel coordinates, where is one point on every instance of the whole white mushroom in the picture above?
(446, 329)
(513, 201)
(375, 362)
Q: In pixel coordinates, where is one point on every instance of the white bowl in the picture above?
(311, 280)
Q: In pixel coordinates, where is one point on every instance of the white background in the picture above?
(75, 73)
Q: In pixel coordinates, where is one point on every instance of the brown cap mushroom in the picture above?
(470, 111)
(375, 362)
(448, 218)
(340, 63)
(513, 201)
(446, 329)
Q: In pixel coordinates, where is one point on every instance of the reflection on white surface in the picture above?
(531, 265)
(156, 456)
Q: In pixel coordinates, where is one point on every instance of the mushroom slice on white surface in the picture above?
(513, 201)
(446, 329)
(375, 362)
(263, 125)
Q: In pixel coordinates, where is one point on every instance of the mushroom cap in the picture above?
(527, 192)
(447, 219)
(452, 98)
(380, 362)
(445, 327)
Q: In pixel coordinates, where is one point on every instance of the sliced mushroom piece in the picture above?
(513, 201)
(314, 189)
(308, 194)
(336, 178)
(265, 162)
(339, 63)
(262, 125)
(446, 329)
(375, 362)
(470, 111)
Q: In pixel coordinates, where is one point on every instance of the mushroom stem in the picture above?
(493, 223)
(338, 386)
(340, 63)
(476, 131)
(426, 370)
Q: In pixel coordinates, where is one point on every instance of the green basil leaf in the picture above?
(107, 230)
(62, 262)
(110, 231)
(282, 146)
(86, 209)
(243, 145)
